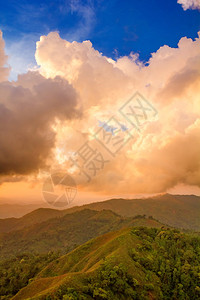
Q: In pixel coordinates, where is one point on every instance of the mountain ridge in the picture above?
(180, 211)
(122, 265)
(65, 233)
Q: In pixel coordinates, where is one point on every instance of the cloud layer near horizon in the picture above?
(165, 154)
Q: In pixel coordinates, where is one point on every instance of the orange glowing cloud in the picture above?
(75, 87)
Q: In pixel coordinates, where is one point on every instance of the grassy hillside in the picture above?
(41, 251)
(65, 233)
(137, 263)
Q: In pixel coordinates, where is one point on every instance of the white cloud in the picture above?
(190, 4)
(87, 19)
(84, 11)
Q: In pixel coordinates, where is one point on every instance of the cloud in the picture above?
(4, 70)
(86, 13)
(21, 49)
(167, 152)
(28, 110)
(74, 77)
(93, 75)
(190, 4)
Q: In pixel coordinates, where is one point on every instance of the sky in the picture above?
(66, 65)
(115, 28)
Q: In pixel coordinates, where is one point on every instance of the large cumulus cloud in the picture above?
(167, 151)
(74, 75)
(93, 75)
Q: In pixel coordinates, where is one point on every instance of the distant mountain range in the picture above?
(37, 216)
(16, 210)
(180, 211)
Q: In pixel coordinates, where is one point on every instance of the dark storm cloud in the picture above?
(26, 117)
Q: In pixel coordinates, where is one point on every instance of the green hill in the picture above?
(135, 263)
(40, 251)
(65, 233)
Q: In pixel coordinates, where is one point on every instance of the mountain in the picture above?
(180, 211)
(132, 263)
(106, 250)
(66, 232)
(37, 216)
(16, 210)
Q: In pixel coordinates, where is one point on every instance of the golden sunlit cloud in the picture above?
(56, 109)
